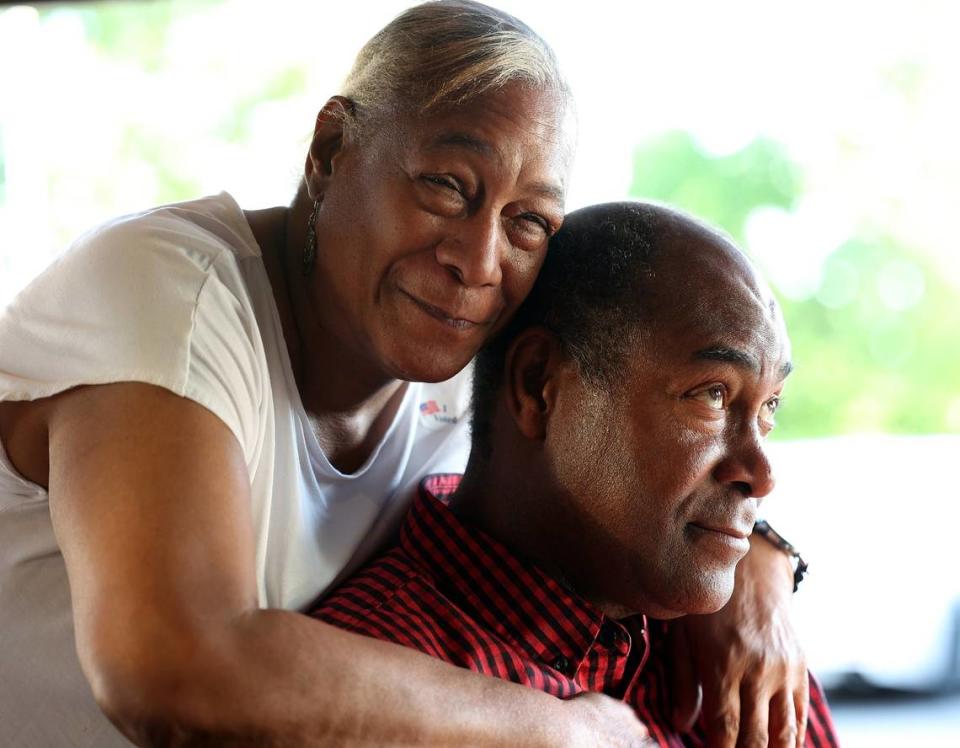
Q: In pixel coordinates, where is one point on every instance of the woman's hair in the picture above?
(444, 53)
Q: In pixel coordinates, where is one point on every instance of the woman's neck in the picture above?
(350, 401)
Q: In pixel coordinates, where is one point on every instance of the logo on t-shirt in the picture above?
(437, 410)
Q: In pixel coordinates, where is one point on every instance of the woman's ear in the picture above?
(328, 136)
(531, 367)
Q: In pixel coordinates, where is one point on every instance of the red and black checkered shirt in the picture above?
(456, 593)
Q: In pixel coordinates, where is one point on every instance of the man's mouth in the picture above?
(732, 540)
(732, 530)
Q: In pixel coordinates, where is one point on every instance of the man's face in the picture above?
(432, 231)
(662, 476)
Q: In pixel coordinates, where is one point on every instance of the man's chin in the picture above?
(702, 596)
(713, 595)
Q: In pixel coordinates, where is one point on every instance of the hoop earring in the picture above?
(310, 250)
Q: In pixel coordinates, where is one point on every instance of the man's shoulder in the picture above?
(396, 600)
(376, 587)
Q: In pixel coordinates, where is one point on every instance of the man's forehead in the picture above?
(707, 281)
(732, 319)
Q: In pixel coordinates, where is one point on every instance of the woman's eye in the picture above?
(443, 194)
(530, 231)
(714, 396)
(441, 180)
(537, 222)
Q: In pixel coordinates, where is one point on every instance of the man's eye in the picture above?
(769, 409)
(714, 396)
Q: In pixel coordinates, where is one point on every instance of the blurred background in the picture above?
(821, 136)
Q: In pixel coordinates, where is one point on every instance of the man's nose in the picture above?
(475, 251)
(747, 466)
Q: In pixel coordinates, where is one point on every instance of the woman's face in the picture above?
(431, 231)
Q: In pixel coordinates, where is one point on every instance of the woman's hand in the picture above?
(744, 660)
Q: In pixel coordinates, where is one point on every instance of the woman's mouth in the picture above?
(438, 313)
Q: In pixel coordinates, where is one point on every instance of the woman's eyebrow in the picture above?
(460, 139)
(457, 139)
(550, 191)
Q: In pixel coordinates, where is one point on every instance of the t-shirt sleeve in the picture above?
(136, 302)
(226, 364)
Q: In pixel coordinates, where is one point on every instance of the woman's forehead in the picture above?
(511, 122)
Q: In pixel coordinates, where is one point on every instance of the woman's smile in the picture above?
(457, 320)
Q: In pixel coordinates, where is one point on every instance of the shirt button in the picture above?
(561, 665)
(610, 636)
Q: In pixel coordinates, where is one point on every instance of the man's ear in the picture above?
(531, 368)
(328, 136)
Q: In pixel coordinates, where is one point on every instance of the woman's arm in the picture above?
(150, 501)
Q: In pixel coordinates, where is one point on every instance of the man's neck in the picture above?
(503, 501)
(515, 502)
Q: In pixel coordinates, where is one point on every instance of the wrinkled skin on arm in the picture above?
(743, 665)
(149, 495)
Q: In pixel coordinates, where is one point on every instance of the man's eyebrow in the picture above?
(737, 357)
(728, 355)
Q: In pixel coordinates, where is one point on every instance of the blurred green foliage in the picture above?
(235, 127)
(876, 346)
(139, 33)
(3, 171)
(723, 190)
(133, 31)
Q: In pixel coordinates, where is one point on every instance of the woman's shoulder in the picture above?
(197, 232)
(129, 301)
(145, 268)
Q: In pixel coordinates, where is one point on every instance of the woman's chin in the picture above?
(428, 365)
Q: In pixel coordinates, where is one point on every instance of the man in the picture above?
(616, 472)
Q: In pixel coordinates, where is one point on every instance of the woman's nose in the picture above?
(475, 251)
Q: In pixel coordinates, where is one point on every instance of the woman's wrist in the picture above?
(799, 566)
(768, 566)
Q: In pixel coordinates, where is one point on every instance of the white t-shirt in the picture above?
(179, 297)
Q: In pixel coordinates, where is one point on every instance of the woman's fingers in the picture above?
(783, 720)
(801, 701)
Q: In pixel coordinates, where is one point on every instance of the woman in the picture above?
(210, 415)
